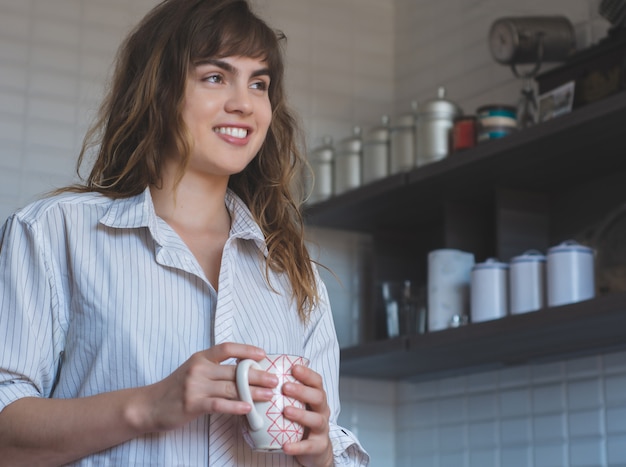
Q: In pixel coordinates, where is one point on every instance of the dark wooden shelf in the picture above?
(530, 188)
(575, 329)
(587, 143)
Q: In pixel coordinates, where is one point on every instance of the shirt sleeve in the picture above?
(323, 348)
(27, 356)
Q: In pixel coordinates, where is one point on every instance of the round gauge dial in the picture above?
(503, 41)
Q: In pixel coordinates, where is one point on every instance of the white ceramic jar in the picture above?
(570, 270)
(488, 291)
(527, 279)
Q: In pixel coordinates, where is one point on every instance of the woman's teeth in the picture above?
(234, 132)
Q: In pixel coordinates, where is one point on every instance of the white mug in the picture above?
(267, 429)
(489, 291)
(448, 287)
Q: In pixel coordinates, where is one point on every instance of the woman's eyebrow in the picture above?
(224, 65)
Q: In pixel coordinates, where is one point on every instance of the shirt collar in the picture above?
(138, 211)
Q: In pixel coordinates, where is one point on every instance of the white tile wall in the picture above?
(349, 61)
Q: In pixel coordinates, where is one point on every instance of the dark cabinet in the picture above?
(533, 189)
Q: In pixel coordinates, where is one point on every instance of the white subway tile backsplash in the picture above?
(53, 83)
(55, 57)
(616, 450)
(452, 409)
(483, 458)
(549, 428)
(514, 376)
(60, 9)
(417, 415)
(548, 398)
(482, 406)
(547, 372)
(14, 25)
(11, 128)
(616, 419)
(587, 452)
(514, 402)
(9, 182)
(482, 435)
(48, 30)
(550, 455)
(584, 394)
(452, 437)
(51, 109)
(452, 386)
(8, 159)
(515, 431)
(588, 423)
(13, 77)
(614, 362)
(516, 456)
(452, 459)
(615, 389)
(584, 367)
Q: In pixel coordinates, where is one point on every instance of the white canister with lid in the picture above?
(348, 153)
(570, 271)
(527, 279)
(488, 294)
(376, 152)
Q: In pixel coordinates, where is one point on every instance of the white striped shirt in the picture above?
(99, 294)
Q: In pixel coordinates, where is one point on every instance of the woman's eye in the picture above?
(260, 85)
(216, 78)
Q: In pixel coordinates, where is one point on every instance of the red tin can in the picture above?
(464, 132)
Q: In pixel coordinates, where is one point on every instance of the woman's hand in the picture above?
(202, 386)
(315, 450)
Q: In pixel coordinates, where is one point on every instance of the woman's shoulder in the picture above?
(58, 204)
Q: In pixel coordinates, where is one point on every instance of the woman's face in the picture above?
(228, 112)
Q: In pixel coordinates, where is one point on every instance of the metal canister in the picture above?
(402, 141)
(435, 121)
(376, 152)
(322, 160)
(348, 154)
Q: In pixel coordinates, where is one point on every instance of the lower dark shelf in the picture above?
(592, 326)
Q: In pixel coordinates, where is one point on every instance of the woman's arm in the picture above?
(45, 431)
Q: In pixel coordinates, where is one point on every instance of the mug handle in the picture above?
(254, 417)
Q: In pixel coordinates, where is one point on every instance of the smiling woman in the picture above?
(126, 301)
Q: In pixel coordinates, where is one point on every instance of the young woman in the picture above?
(125, 302)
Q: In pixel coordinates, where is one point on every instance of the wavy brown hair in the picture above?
(142, 114)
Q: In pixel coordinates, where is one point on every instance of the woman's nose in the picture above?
(239, 100)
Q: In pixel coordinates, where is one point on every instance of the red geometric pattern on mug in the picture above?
(282, 430)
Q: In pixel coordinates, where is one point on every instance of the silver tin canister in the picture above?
(376, 152)
(348, 154)
(402, 142)
(322, 164)
(435, 121)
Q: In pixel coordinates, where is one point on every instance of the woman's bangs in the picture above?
(236, 34)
